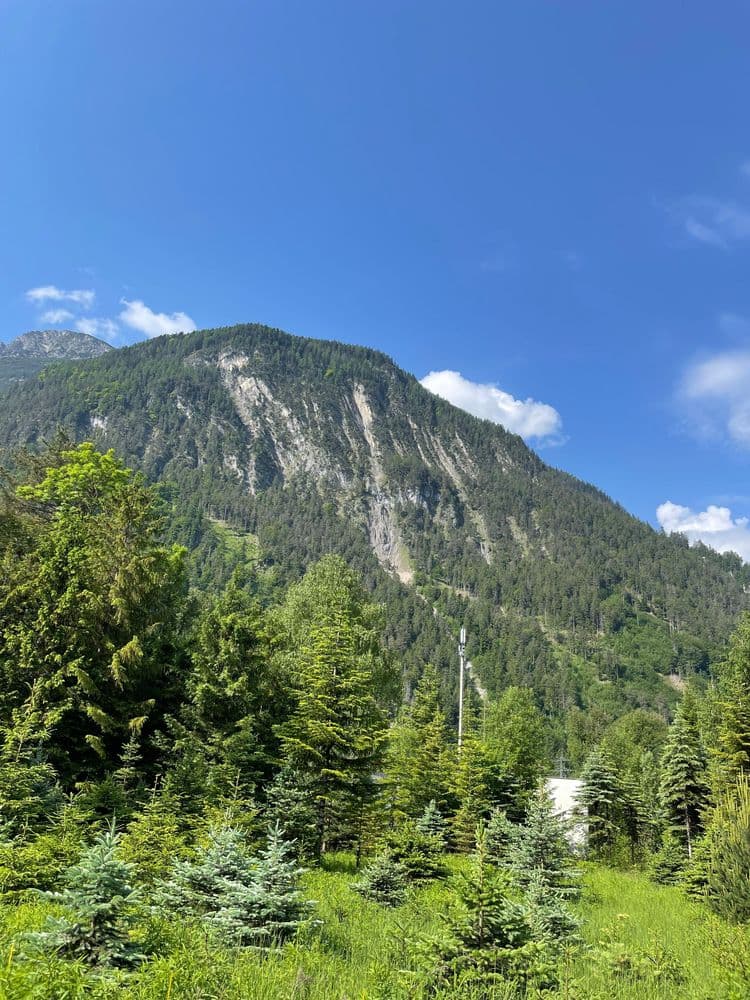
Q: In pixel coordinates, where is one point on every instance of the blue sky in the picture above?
(551, 199)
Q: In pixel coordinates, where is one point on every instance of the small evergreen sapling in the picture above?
(419, 853)
(99, 893)
(538, 852)
(488, 941)
(290, 801)
(383, 881)
(433, 824)
(252, 902)
(274, 908)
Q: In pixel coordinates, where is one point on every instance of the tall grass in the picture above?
(662, 947)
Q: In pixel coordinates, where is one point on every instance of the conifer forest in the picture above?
(236, 789)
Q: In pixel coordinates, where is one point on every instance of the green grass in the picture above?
(359, 951)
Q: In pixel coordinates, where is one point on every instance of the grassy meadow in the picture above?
(640, 941)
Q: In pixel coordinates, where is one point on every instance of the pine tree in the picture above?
(433, 824)
(684, 788)
(383, 881)
(419, 853)
(100, 894)
(598, 797)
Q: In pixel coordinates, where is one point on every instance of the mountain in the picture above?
(278, 448)
(25, 356)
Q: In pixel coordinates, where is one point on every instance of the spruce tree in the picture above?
(290, 802)
(728, 853)
(417, 761)
(100, 894)
(732, 754)
(267, 911)
(433, 824)
(538, 851)
(383, 881)
(249, 901)
(472, 779)
(684, 788)
(487, 941)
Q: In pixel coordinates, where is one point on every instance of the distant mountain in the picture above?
(28, 354)
(282, 448)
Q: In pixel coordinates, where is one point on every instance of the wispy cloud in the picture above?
(527, 417)
(745, 168)
(712, 221)
(83, 297)
(105, 329)
(714, 526)
(138, 316)
(715, 396)
(55, 316)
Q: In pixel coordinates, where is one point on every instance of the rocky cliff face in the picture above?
(313, 446)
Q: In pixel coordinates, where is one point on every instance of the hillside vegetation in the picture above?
(226, 792)
(300, 447)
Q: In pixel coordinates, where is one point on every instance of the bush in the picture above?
(419, 853)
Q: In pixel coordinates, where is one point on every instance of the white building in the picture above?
(564, 792)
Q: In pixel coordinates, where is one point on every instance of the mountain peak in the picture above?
(54, 345)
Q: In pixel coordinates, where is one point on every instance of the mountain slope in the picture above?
(28, 354)
(304, 446)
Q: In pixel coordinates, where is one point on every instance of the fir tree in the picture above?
(684, 788)
(100, 894)
(383, 881)
(417, 762)
(598, 797)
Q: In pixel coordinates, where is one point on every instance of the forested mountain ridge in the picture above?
(29, 353)
(287, 447)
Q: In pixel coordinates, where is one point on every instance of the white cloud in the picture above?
(713, 221)
(528, 417)
(56, 316)
(137, 315)
(714, 526)
(105, 329)
(51, 293)
(715, 394)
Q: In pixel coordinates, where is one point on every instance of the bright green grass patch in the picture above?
(360, 951)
